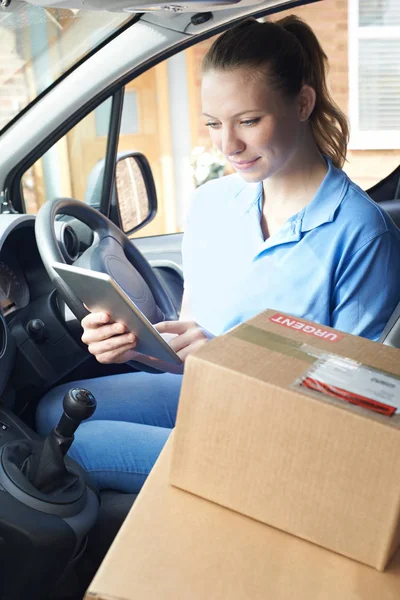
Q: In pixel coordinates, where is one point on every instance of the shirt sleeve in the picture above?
(367, 288)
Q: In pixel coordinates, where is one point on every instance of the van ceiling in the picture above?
(135, 6)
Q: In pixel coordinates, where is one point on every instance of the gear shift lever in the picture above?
(78, 404)
(42, 464)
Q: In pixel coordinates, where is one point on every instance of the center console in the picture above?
(47, 505)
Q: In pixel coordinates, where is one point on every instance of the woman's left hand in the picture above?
(189, 336)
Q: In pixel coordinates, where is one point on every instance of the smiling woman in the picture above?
(38, 45)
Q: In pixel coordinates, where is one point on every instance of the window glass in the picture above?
(374, 68)
(162, 119)
(379, 65)
(379, 12)
(130, 114)
(102, 118)
(74, 166)
(379, 84)
(39, 44)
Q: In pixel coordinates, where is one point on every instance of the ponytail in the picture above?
(328, 123)
(293, 57)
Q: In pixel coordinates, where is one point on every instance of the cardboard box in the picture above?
(176, 546)
(252, 436)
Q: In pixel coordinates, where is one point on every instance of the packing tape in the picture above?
(276, 343)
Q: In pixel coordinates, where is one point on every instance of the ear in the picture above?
(306, 102)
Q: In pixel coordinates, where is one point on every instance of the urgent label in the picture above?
(298, 325)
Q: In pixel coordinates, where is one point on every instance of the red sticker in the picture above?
(351, 397)
(292, 323)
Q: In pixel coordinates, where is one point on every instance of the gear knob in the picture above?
(79, 404)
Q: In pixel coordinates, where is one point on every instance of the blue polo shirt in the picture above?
(336, 262)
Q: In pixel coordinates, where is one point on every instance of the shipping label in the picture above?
(352, 382)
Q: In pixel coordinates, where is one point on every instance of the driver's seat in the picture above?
(391, 334)
(76, 579)
(114, 507)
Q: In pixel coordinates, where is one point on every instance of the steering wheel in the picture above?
(111, 252)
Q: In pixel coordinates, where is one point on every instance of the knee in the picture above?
(118, 455)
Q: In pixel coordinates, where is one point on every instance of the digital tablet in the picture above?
(99, 292)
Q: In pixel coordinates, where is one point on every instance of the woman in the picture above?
(288, 231)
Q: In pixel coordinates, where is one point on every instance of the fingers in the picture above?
(95, 319)
(116, 344)
(190, 337)
(122, 355)
(184, 353)
(109, 342)
(177, 327)
(101, 333)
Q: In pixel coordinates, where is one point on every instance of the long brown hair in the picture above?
(293, 57)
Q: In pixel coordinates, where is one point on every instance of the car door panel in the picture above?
(164, 254)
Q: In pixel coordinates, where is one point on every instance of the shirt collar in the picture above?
(249, 195)
(327, 199)
(320, 210)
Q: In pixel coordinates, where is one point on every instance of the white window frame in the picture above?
(372, 139)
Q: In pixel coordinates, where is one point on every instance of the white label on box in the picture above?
(355, 383)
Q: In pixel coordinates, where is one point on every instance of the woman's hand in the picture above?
(189, 336)
(109, 342)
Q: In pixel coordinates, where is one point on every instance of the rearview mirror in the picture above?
(136, 193)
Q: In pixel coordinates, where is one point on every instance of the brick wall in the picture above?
(329, 19)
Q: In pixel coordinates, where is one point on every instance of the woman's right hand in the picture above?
(109, 342)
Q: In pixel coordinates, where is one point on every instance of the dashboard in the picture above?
(29, 361)
(22, 273)
(18, 256)
(14, 291)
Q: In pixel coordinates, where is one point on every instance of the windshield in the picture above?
(38, 44)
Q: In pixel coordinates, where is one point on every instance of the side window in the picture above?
(74, 166)
(162, 119)
(156, 122)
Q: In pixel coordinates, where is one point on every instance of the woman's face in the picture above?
(257, 128)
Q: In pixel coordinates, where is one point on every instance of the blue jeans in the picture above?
(120, 443)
